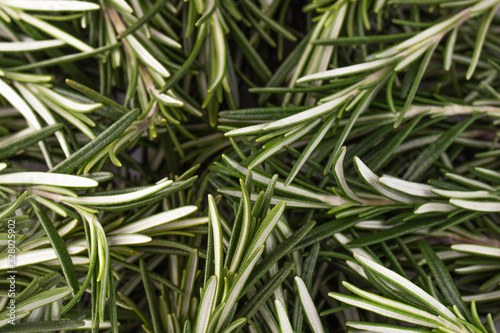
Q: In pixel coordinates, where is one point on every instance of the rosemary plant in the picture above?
(256, 166)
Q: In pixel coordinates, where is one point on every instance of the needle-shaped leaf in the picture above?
(49, 5)
(13, 206)
(156, 220)
(340, 178)
(151, 297)
(265, 229)
(41, 299)
(425, 160)
(404, 186)
(308, 306)
(27, 46)
(13, 97)
(55, 32)
(14, 146)
(417, 79)
(43, 178)
(311, 146)
(244, 231)
(406, 285)
(146, 57)
(252, 56)
(189, 282)
(96, 96)
(481, 37)
(372, 180)
(104, 139)
(392, 144)
(210, 7)
(67, 102)
(264, 293)
(408, 309)
(270, 22)
(277, 253)
(489, 251)
(461, 194)
(405, 228)
(353, 69)
(383, 328)
(234, 292)
(59, 248)
(37, 256)
(480, 206)
(285, 325)
(175, 187)
(433, 31)
(312, 113)
(219, 45)
(143, 19)
(43, 326)
(104, 200)
(215, 224)
(293, 190)
(444, 280)
(282, 142)
(235, 325)
(430, 207)
(167, 100)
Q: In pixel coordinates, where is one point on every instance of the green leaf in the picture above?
(234, 291)
(55, 32)
(416, 81)
(50, 5)
(41, 299)
(13, 206)
(293, 190)
(44, 326)
(42, 178)
(444, 280)
(371, 179)
(96, 96)
(270, 22)
(151, 297)
(235, 325)
(481, 36)
(391, 304)
(405, 228)
(143, 19)
(277, 253)
(13, 147)
(411, 188)
(37, 256)
(59, 248)
(244, 234)
(264, 293)
(477, 205)
(277, 145)
(427, 157)
(490, 251)
(252, 56)
(264, 230)
(92, 148)
(384, 328)
(311, 146)
(404, 284)
(353, 69)
(308, 306)
(27, 46)
(217, 236)
(285, 325)
(338, 169)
